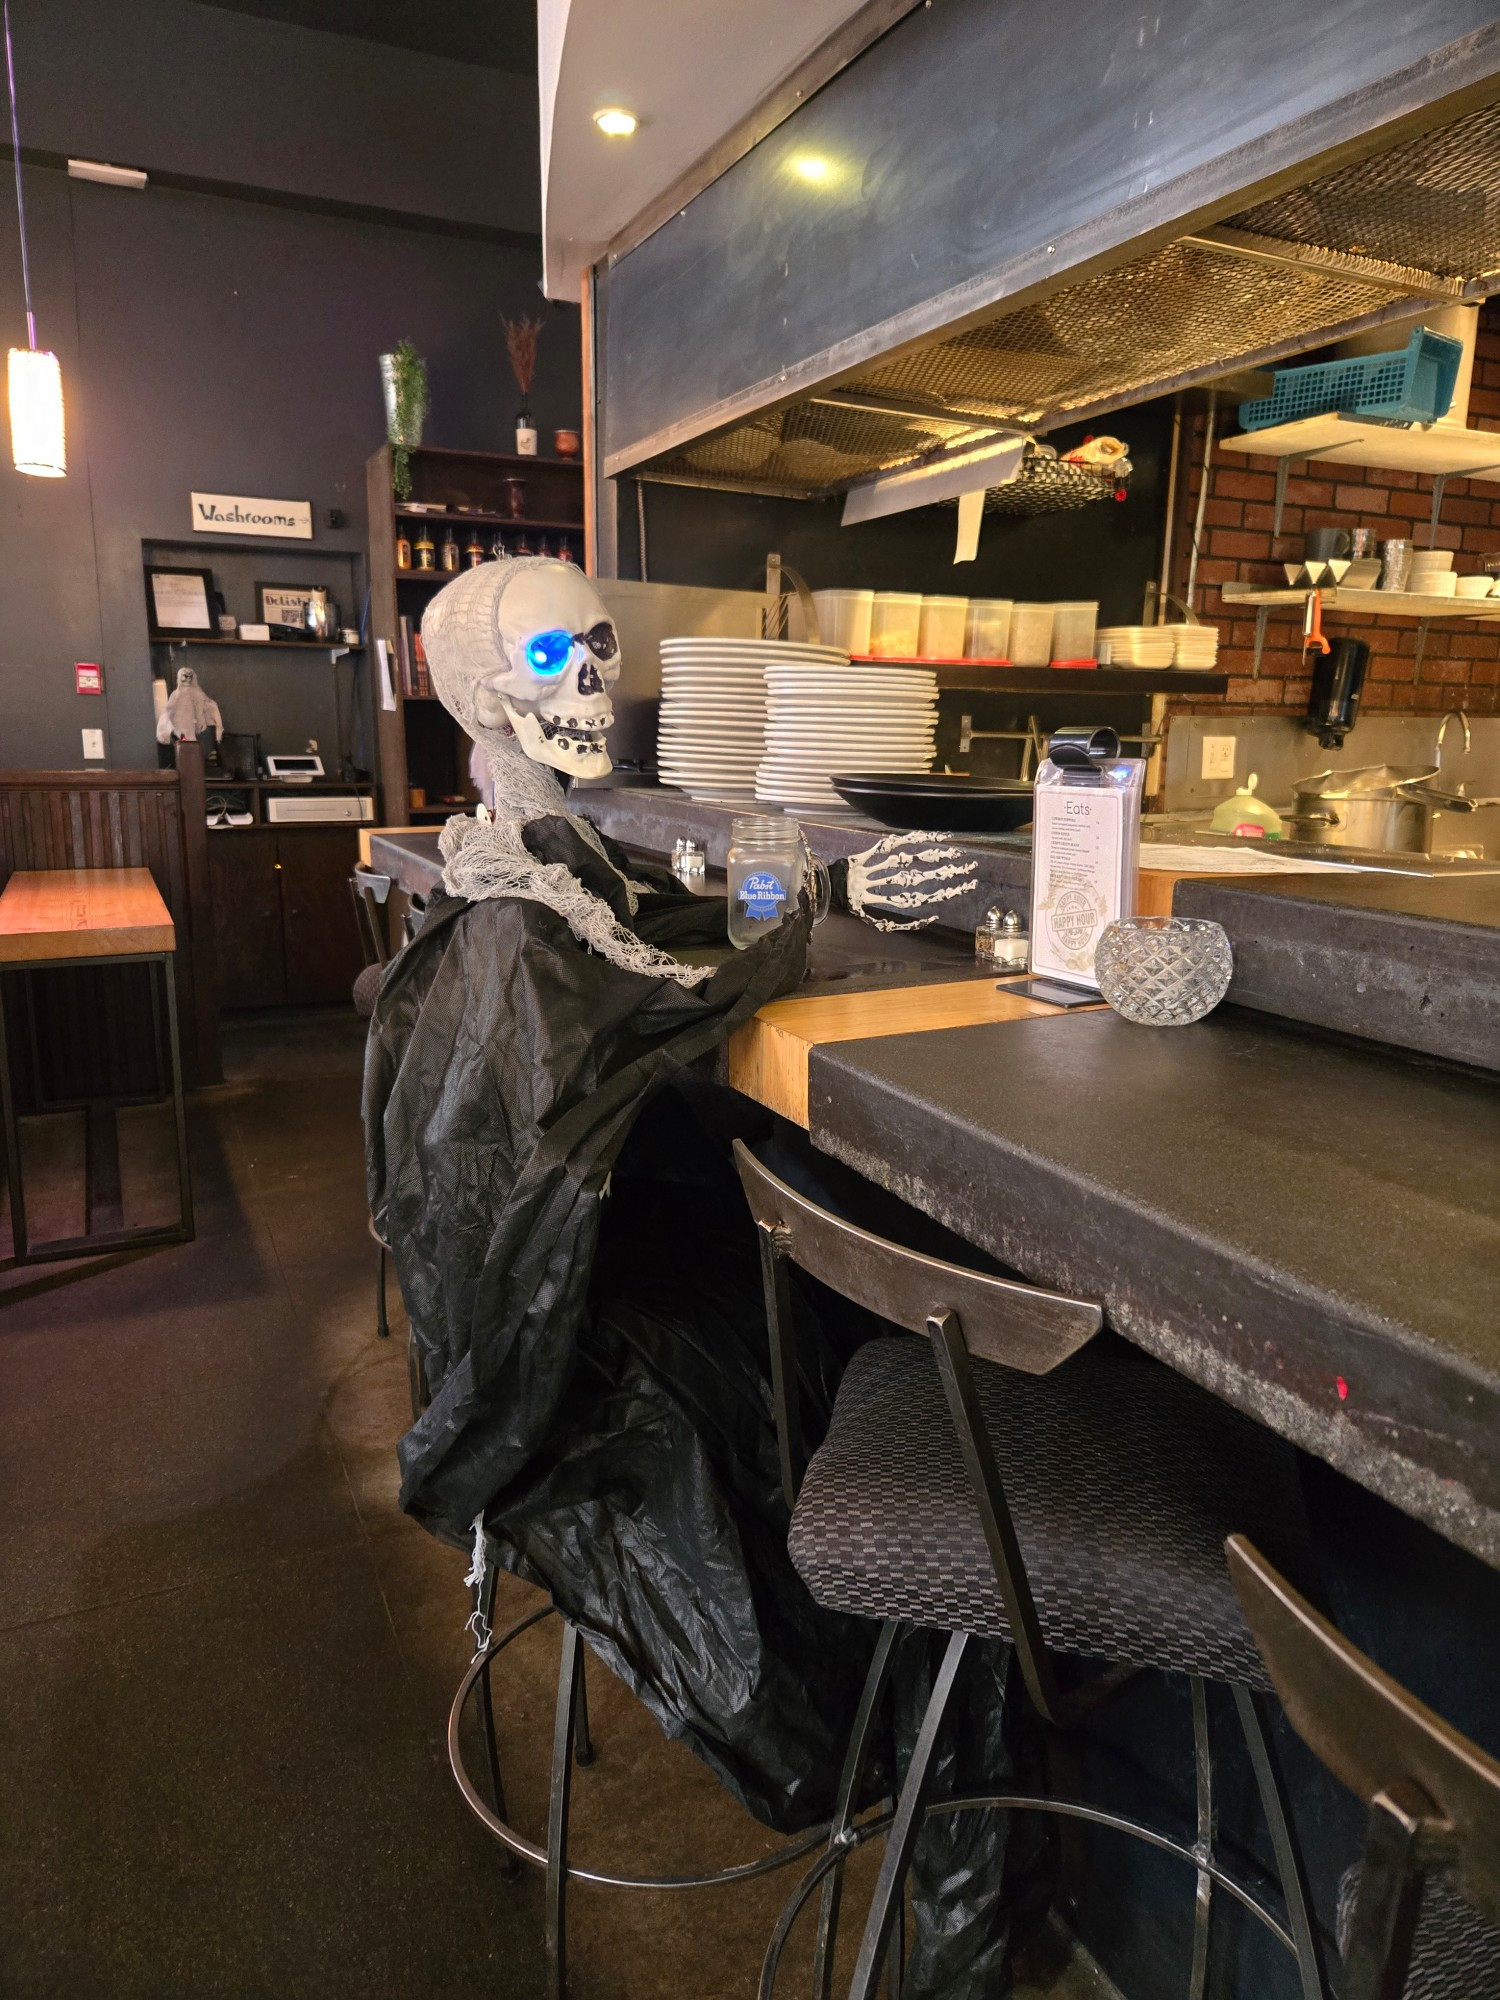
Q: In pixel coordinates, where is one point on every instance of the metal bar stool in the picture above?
(1007, 1478)
(572, 1743)
(370, 890)
(1423, 1903)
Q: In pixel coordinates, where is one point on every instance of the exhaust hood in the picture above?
(1032, 217)
(1380, 240)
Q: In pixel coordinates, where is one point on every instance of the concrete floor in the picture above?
(226, 1658)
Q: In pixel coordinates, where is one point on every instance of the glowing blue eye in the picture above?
(548, 652)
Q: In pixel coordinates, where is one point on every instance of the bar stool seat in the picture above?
(1455, 1953)
(1124, 1480)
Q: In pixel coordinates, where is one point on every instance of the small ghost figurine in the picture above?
(188, 711)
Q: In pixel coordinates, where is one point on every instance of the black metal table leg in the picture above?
(12, 1139)
(179, 1106)
(94, 1243)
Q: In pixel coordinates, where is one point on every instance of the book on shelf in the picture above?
(411, 658)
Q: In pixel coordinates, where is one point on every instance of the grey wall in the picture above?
(227, 345)
(199, 91)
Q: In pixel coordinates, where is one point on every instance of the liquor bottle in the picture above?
(543, 546)
(498, 550)
(425, 552)
(523, 545)
(473, 550)
(403, 549)
(565, 550)
(450, 551)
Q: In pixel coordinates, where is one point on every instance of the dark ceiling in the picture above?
(499, 34)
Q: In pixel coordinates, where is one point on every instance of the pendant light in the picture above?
(38, 442)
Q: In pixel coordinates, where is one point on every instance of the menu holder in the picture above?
(1085, 851)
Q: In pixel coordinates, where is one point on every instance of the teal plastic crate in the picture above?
(1412, 386)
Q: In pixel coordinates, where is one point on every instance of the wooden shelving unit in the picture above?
(419, 744)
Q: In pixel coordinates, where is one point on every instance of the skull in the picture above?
(524, 653)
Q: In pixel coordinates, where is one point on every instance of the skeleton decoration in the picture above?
(523, 654)
(188, 710)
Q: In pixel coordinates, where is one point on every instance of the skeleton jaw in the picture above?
(571, 741)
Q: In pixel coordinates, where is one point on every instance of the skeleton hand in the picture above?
(906, 872)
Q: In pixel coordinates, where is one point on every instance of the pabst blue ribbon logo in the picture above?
(762, 896)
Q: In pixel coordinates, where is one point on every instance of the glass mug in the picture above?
(768, 863)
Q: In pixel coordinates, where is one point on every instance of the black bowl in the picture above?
(942, 801)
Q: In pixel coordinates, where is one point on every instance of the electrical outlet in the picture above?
(93, 743)
(1218, 757)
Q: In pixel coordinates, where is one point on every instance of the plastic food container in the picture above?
(987, 629)
(844, 618)
(895, 624)
(940, 634)
(1031, 635)
(1073, 632)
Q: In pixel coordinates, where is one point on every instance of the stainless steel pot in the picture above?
(1381, 807)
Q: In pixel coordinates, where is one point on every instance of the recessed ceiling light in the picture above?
(616, 124)
(99, 170)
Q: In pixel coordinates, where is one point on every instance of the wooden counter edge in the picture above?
(768, 1055)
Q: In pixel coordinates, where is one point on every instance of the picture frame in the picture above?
(283, 606)
(181, 603)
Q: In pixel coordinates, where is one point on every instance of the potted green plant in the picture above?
(403, 377)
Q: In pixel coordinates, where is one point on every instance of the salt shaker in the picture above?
(689, 861)
(1000, 943)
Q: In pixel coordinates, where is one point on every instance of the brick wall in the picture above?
(1461, 660)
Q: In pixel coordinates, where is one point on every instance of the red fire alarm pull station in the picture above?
(88, 678)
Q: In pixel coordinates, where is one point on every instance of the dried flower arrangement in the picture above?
(521, 337)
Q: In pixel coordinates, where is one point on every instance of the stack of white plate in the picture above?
(823, 718)
(712, 731)
(1195, 646)
(1137, 645)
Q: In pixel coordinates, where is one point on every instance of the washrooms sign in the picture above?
(235, 514)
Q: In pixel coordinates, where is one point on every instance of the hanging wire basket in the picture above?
(1050, 486)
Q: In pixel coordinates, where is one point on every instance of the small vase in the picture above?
(410, 434)
(1164, 972)
(515, 498)
(525, 435)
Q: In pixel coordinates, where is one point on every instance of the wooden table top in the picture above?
(61, 913)
(768, 1055)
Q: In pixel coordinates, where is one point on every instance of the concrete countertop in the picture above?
(1310, 1230)
(1392, 958)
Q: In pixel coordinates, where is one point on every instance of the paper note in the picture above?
(383, 685)
(970, 515)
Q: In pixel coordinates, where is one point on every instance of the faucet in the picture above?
(1459, 716)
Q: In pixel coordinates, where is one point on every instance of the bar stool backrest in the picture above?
(1434, 1797)
(370, 890)
(963, 1313)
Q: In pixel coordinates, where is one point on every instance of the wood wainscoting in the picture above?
(89, 1028)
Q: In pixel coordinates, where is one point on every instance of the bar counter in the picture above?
(1308, 1226)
